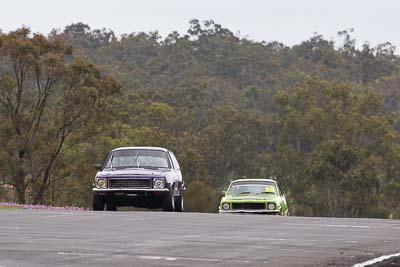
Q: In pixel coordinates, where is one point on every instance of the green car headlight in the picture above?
(225, 206)
(159, 183)
(101, 183)
(271, 206)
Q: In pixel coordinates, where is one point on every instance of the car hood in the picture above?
(131, 173)
(249, 197)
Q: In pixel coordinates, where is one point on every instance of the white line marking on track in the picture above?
(10, 227)
(175, 258)
(376, 260)
(188, 259)
(154, 257)
(54, 216)
(274, 239)
(333, 225)
(345, 226)
(78, 254)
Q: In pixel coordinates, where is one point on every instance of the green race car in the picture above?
(254, 196)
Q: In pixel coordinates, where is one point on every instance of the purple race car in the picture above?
(144, 177)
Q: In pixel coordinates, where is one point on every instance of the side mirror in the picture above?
(223, 193)
(98, 167)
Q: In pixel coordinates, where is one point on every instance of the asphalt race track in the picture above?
(50, 238)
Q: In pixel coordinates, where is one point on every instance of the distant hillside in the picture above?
(322, 118)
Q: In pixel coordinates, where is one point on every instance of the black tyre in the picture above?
(98, 202)
(111, 206)
(179, 207)
(169, 200)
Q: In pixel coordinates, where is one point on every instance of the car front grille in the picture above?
(129, 183)
(248, 206)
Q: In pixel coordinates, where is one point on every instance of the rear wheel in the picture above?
(169, 200)
(111, 206)
(98, 202)
(179, 202)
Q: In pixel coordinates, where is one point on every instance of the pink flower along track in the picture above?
(12, 205)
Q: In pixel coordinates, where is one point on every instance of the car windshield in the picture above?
(252, 188)
(138, 158)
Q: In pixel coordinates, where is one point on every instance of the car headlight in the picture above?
(159, 183)
(271, 206)
(101, 183)
(225, 206)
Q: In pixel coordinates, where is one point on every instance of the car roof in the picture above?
(254, 180)
(141, 147)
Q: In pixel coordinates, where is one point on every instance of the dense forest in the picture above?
(321, 116)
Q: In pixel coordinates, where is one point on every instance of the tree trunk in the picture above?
(19, 179)
(20, 194)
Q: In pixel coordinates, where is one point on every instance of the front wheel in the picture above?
(179, 202)
(111, 206)
(169, 200)
(98, 202)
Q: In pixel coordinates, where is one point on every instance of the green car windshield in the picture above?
(251, 188)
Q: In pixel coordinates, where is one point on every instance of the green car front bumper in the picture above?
(251, 204)
(256, 211)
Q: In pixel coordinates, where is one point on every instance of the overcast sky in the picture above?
(286, 21)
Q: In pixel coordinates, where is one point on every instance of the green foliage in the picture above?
(199, 196)
(344, 138)
(46, 101)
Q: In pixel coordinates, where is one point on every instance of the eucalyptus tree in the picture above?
(46, 99)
